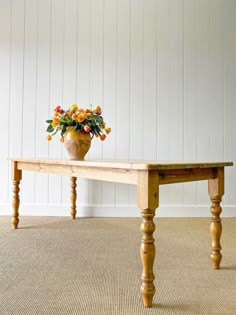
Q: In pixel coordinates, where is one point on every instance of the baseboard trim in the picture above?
(115, 211)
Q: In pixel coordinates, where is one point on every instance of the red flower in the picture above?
(57, 109)
(103, 137)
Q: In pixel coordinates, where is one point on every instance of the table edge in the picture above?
(132, 165)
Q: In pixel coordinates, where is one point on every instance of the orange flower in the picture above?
(98, 110)
(103, 137)
(87, 128)
(81, 117)
(108, 130)
(74, 116)
(49, 138)
(55, 121)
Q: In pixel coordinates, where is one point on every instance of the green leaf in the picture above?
(50, 128)
(63, 130)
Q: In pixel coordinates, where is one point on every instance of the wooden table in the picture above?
(147, 176)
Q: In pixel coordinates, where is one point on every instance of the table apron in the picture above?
(186, 175)
(125, 176)
(118, 175)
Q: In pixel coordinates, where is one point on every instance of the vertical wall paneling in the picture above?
(164, 72)
(29, 94)
(229, 48)
(176, 92)
(42, 95)
(83, 53)
(203, 90)
(190, 93)
(17, 77)
(96, 86)
(83, 75)
(216, 103)
(163, 88)
(110, 91)
(5, 66)
(70, 50)
(69, 73)
(56, 87)
(136, 85)
(149, 80)
(136, 79)
(123, 93)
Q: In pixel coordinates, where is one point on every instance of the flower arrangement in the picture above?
(83, 120)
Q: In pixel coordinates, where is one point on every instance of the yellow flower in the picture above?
(74, 106)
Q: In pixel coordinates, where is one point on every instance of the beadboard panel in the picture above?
(29, 92)
(5, 83)
(42, 97)
(123, 113)
(229, 91)
(176, 93)
(163, 71)
(110, 88)
(163, 89)
(203, 90)
(83, 72)
(190, 93)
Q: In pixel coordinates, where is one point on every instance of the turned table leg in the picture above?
(16, 178)
(147, 253)
(216, 191)
(73, 197)
(148, 199)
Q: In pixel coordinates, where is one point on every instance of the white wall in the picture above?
(164, 72)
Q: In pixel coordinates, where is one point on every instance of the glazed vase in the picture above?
(77, 143)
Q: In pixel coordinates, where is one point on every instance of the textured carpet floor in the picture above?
(92, 266)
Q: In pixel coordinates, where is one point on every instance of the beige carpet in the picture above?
(92, 266)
